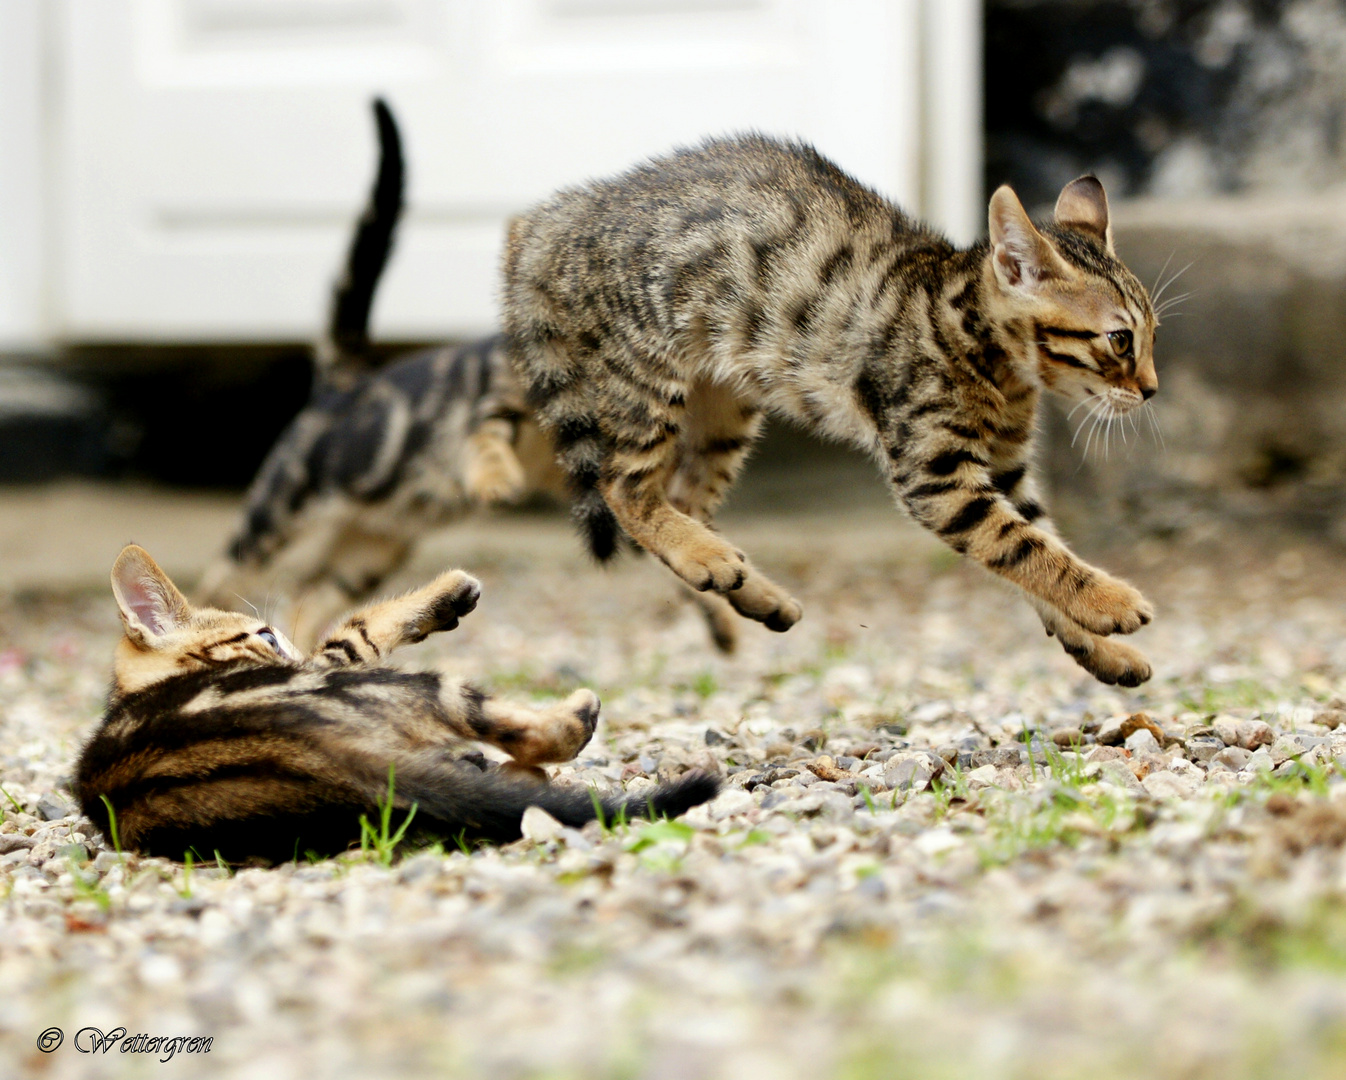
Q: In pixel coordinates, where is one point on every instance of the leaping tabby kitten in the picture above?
(655, 317)
(220, 737)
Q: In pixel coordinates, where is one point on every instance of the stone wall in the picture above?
(1172, 98)
(1217, 127)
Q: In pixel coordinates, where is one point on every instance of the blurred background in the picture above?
(179, 180)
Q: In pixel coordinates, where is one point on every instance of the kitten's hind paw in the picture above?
(560, 732)
(495, 479)
(721, 620)
(584, 706)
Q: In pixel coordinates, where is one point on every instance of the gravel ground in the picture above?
(894, 883)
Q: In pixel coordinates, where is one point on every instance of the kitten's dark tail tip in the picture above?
(598, 524)
(677, 797)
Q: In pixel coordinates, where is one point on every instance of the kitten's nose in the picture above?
(1148, 392)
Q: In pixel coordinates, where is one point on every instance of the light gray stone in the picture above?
(1142, 741)
(1232, 757)
(539, 826)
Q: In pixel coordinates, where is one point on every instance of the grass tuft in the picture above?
(18, 807)
(112, 828)
(382, 841)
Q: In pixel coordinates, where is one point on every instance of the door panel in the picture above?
(214, 153)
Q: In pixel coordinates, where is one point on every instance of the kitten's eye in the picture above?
(1120, 340)
(270, 639)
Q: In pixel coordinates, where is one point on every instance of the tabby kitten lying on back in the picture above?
(220, 737)
(654, 318)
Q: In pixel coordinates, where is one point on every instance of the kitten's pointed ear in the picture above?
(1022, 256)
(150, 603)
(1083, 205)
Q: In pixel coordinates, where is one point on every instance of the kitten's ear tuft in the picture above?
(151, 605)
(1022, 256)
(1083, 205)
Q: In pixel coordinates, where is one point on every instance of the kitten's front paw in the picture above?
(1108, 606)
(449, 596)
(709, 567)
(762, 599)
(1112, 662)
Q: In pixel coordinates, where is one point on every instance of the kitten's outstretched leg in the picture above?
(1109, 661)
(998, 522)
(721, 620)
(693, 552)
(492, 472)
(719, 431)
(358, 562)
(531, 737)
(373, 632)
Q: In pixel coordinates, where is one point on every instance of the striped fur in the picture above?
(655, 318)
(381, 456)
(220, 737)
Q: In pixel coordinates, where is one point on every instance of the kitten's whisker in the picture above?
(251, 605)
(1153, 417)
(1171, 302)
(1093, 430)
(1097, 433)
(1078, 404)
(1154, 298)
(1160, 276)
(1094, 406)
(298, 616)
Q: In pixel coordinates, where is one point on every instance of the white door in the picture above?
(212, 154)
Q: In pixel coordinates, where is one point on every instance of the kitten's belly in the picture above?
(823, 407)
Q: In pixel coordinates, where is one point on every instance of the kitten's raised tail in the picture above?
(347, 336)
(489, 806)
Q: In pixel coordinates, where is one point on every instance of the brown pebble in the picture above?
(1069, 736)
(1136, 721)
(825, 768)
